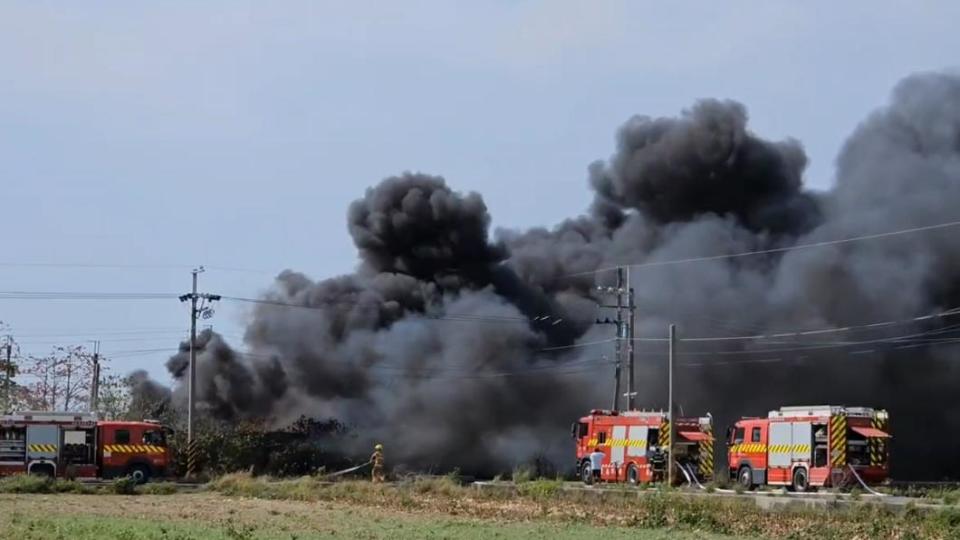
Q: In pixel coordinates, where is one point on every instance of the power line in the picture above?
(773, 250)
(125, 266)
(780, 335)
(60, 295)
(462, 373)
(464, 317)
(578, 345)
(101, 332)
(798, 359)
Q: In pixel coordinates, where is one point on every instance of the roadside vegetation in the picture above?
(548, 503)
(205, 516)
(27, 484)
(546, 500)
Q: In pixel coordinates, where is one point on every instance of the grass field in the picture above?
(213, 516)
(240, 507)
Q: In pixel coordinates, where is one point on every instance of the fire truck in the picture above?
(807, 447)
(635, 446)
(77, 445)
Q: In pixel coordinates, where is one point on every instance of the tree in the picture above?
(62, 379)
(115, 398)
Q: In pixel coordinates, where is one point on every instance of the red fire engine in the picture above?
(76, 445)
(635, 444)
(804, 447)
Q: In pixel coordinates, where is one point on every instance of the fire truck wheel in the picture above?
(586, 473)
(139, 473)
(745, 477)
(633, 475)
(800, 483)
(44, 470)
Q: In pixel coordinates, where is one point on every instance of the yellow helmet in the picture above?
(378, 447)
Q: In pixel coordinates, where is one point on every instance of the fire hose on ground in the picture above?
(692, 480)
(347, 471)
(864, 484)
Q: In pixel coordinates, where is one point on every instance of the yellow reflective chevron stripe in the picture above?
(838, 440)
(706, 456)
(878, 451)
(624, 443)
(43, 448)
(140, 448)
(750, 448)
(663, 437)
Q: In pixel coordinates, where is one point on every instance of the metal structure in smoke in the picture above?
(436, 344)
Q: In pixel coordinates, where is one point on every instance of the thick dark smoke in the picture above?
(456, 349)
(148, 398)
(705, 162)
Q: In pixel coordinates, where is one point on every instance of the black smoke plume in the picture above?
(458, 349)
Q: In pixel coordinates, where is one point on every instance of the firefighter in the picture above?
(596, 463)
(377, 460)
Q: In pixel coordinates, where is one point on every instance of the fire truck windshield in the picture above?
(738, 435)
(155, 438)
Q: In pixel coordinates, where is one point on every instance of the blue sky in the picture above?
(235, 134)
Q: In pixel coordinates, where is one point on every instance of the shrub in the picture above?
(523, 473)
(445, 485)
(951, 496)
(125, 486)
(26, 483)
(541, 489)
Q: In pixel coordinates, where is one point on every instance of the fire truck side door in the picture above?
(779, 444)
(637, 441)
(617, 445)
(802, 438)
(43, 442)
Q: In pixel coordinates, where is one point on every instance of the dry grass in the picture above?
(543, 502)
(546, 501)
(214, 516)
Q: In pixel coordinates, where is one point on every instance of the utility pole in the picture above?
(7, 374)
(619, 346)
(624, 334)
(192, 382)
(670, 458)
(195, 312)
(95, 384)
(67, 390)
(631, 306)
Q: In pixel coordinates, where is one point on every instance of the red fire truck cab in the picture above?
(77, 445)
(634, 444)
(806, 447)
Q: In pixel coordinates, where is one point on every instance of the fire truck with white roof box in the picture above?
(810, 446)
(635, 446)
(78, 445)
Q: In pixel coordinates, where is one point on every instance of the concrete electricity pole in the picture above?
(95, 384)
(670, 458)
(631, 306)
(619, 346)
(7, 374)
(624, 334)
(195, 312)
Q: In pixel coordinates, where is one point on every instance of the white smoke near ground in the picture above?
(458, 349)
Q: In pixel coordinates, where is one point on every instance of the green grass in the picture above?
(337, 524)
(41, 484)
(25, 483)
